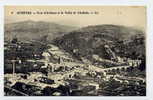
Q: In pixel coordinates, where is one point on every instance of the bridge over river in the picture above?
(85, 68)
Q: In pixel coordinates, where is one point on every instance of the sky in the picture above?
(132, 16)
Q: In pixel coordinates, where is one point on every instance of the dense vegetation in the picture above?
(85, 42)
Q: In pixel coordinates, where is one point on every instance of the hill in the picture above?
(88, 41)
(29, 30)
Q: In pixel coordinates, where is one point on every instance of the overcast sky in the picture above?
(133, 16)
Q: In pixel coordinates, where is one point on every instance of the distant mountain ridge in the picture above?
(35, 30)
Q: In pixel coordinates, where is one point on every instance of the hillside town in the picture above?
(35, 68)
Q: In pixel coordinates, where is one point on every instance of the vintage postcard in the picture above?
(75, 51)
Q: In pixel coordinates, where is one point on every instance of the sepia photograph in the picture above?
(75, 51)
